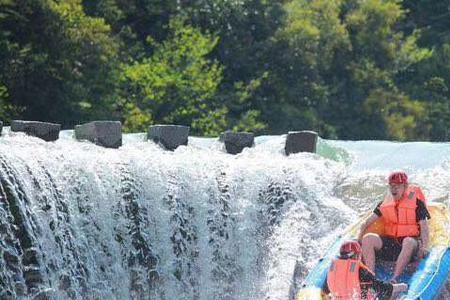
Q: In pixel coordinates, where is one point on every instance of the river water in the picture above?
(78, 221)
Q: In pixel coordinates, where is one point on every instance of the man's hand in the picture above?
(360, 237)
(422, 251)
(399, 287)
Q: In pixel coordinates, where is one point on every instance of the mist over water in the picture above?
(78, 221)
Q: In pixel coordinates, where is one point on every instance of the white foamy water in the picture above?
(78, 221)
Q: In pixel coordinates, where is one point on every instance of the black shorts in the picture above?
(391, 249)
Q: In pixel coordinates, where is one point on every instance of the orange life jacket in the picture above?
(400, 216)
(344, 282)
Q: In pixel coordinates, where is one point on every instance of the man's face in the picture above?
(397, 190)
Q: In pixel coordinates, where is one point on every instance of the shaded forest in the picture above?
(348, 69)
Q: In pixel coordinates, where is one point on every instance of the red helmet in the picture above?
(398, 178)
(350, 248)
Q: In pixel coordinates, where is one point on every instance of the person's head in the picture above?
(350, 249)
(398, 182)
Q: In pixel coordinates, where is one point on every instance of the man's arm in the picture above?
(424, 238)
(373, 217)
(422, 216)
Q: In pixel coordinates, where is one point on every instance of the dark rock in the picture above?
(64, 282)
(33, 276)
(44, 295)
(4, 229)
(11, 259)
(46, 131)
(103, 133)
(6, 295)
(170, 136)
(301, 141)
(235, 142)
(30, 256)
(1, 127)
(20, 289)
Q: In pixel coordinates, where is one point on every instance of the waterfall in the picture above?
(78, 221)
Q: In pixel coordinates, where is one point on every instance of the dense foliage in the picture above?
(349, 69)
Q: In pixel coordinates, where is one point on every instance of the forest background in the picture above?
(348, 69)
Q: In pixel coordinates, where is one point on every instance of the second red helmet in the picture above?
(350, 248)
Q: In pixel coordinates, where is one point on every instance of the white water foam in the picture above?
(142, 223)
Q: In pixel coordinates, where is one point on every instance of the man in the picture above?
(348, 278)
(406, 229)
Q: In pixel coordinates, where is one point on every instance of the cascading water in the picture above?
(78, 221)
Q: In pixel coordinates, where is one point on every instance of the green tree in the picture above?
(244, 28)
(378, 53)
(56, 62)
(431, 17)
(7, 111)
(347, 68)
(394, 114)
(333, 56)
(429, 80)
(296, 92)
(177, 84)
(132, 21)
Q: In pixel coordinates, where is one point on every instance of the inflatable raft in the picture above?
(425, 279)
